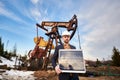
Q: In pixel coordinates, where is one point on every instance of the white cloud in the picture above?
(9, 14)
(34, 1)
(101, 29)
(35, 13)
(22, 9)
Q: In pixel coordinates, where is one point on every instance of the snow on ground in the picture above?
(17, 75)
(9, 63)
(14, 74)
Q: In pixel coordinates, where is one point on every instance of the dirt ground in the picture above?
(51, 75)
(45, 75)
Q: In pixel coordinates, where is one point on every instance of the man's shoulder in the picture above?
(73, 47)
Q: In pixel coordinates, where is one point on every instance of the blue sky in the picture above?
(98, 23)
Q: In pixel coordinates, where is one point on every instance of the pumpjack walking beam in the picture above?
(71, 25)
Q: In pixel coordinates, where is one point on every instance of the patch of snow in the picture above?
(18, 75)
(14, 74)
(9, 63)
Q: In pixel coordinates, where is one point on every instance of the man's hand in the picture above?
(57, 69)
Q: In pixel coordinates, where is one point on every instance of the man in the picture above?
(65, 45)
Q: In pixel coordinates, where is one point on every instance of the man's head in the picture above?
(66, 36)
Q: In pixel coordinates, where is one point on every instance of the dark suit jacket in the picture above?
(63, 76)
(55, 55)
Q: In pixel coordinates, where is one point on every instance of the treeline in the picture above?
(115, 60)
(6, 54)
